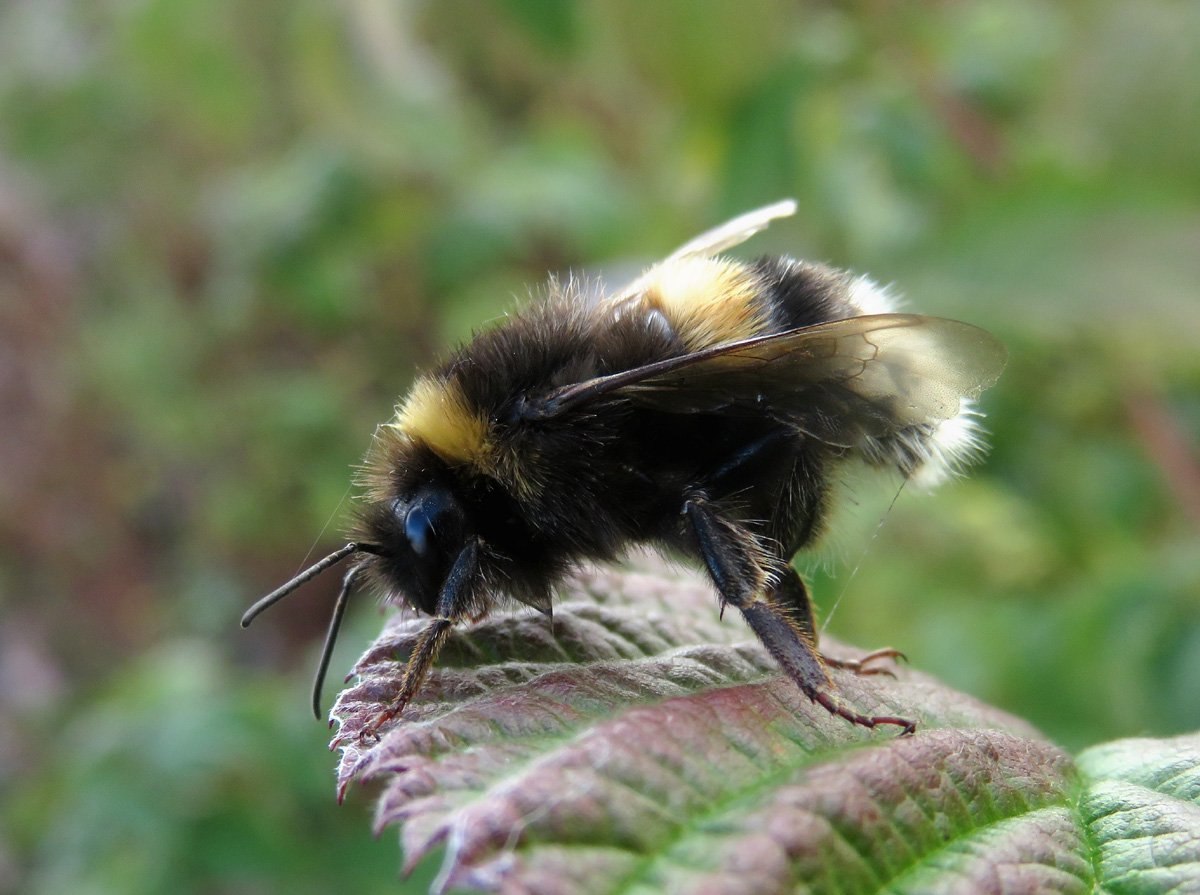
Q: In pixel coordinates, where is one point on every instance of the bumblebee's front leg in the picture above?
(450, 608)
(736, 561)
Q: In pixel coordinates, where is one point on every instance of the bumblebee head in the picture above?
(416, 547)
(413, 542)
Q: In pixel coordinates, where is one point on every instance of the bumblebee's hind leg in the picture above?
(790, 591)
(735, 560)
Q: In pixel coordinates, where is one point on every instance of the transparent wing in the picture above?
(712, 242)
(734, 232)
(840, 381)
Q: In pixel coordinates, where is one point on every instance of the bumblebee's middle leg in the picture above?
(735, 560)
(791, 591)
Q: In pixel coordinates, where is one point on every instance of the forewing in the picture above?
(840, 381)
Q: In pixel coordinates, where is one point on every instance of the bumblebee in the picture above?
(705, 410)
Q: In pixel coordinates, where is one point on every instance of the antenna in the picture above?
(303, 578)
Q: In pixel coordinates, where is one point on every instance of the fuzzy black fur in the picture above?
(612, 474)
(727, 464)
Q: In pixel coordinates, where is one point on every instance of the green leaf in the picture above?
(1141, 807)
(640, 744)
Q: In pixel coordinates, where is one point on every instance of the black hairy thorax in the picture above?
(703, 409)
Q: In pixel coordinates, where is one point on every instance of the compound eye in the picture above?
(431, 519)
(418, 527)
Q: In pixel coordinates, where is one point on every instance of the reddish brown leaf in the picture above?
(642, 745)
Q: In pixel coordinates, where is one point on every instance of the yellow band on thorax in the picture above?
(437, 413)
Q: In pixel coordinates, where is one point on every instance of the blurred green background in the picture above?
(230, 232)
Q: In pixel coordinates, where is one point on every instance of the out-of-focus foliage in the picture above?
(229, 232)
(180, 776)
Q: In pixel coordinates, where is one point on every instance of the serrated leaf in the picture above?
(640, 744)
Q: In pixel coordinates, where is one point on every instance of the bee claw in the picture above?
(370, 730)
(862, 665)
(835, 707)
